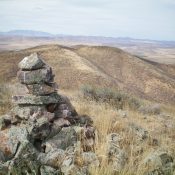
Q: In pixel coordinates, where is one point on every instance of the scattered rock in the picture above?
(140, 132)
(159, 162)
(116, 156)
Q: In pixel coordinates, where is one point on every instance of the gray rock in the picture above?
(65, 109)
(31, 113)
(25, 160)
(140, 132)
(159, 162)
(11, 139)
(90, 159)
(39, 129)
(31, 62)
(116, 156)
(53, 158)
(43, 75)
(25, 112)
(36, 100)
(47, 170)
(65, 138)
(41, 89)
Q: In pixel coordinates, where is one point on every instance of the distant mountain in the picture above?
(26, 33)
(109, 41)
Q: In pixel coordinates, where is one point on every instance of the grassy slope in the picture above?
(102, 66)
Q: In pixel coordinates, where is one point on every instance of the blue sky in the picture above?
(152, 19)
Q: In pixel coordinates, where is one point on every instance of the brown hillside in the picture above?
(99, 65)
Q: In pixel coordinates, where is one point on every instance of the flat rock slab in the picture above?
(31, 113)
(31, 62)
(41, 89)
(36, 100)
(43, 75)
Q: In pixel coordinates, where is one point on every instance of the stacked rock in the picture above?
(44, 129)
(38, 78)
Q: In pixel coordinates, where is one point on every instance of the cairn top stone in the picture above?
(31, 62)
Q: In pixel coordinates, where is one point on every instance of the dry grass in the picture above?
(107, 120)
(101, 66)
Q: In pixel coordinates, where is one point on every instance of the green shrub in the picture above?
(112, 96)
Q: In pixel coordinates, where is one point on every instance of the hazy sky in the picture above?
(152, 19)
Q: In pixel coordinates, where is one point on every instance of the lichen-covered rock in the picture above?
(116, 156)
(47, 170)
(65, 108)
(158, 163)
(10, 139)
(31, 62)
(90, 159)
(53, 158)
(31, 113)
(39, 137)
(65, 138)
(43, 75)
(41, 89)
(36, 100)
(39, 129)
(140, 132)
(25, 160)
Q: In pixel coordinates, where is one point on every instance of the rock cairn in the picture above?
(43, 134)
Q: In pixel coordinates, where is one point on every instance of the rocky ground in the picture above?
(44, 134)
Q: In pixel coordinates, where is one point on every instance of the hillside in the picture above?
(100, 66)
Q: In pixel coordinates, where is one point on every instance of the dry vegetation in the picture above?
(108, 67)
(102, 66)
(107, 119)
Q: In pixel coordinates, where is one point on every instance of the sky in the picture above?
(142, 19)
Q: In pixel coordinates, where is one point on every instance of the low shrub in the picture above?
(112, 96)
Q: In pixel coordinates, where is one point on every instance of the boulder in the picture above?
(159, 162)
(36, 100)
(41, 89)
(31, 62)
(43, 75)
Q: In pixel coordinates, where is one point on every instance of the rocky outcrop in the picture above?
(43, 133)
